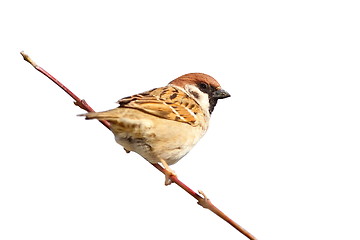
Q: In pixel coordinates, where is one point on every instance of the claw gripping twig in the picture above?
(202, 201)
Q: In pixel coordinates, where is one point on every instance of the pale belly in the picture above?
(159, 139)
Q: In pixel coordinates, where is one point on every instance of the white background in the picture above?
(281, 155)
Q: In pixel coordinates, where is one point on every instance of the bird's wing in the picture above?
(166, 102)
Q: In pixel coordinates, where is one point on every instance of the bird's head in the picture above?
(203, 88)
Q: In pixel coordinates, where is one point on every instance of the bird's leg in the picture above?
(168, 172)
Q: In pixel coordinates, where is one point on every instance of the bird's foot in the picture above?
(168, 173)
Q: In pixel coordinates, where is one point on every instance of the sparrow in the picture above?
(163, 124)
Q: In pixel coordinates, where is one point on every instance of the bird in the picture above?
(164, 124)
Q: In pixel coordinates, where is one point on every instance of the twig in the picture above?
(78, 102)
(202, 201)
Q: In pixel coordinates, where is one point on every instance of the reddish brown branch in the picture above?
(202, 201)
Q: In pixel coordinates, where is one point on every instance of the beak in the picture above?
(220, 94)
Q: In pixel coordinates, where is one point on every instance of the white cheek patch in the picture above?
(201, 97)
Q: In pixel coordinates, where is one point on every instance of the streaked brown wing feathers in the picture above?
(167, 102)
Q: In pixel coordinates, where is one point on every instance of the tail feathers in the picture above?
(111, 115)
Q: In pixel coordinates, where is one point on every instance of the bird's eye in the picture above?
(203, 86)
